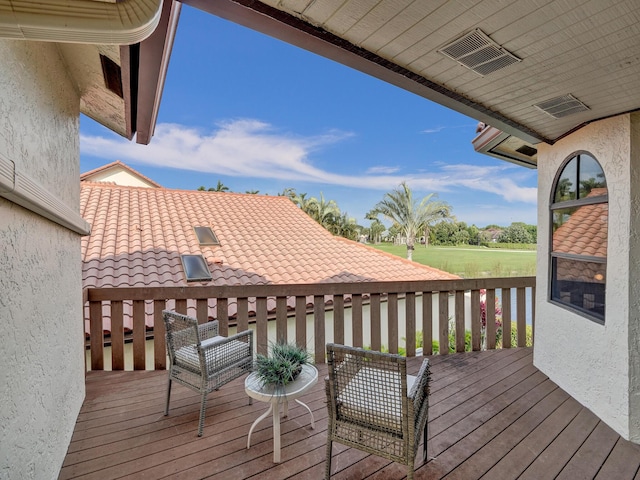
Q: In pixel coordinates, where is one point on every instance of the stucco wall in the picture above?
(588, 360)
(41, 378)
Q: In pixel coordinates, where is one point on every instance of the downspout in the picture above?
(124, 22)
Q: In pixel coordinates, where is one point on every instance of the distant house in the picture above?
(119, 174)
(147, 237)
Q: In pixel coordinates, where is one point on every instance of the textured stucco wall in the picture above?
(41, 374)
(634, 281)
(588, 360)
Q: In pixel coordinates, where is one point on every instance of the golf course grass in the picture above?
(470, 261)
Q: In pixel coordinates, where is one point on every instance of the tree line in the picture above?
(425, 220)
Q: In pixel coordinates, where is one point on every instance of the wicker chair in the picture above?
(374, 405)
(202, 360)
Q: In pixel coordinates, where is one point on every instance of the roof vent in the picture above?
(527, 150)
(562, 106)
(479, 53)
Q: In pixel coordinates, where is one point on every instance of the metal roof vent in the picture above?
(479, 53)
(562, 106)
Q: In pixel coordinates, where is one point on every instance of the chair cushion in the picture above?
(373, 399)
(216, 358)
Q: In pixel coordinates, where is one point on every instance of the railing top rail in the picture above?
(243, 291)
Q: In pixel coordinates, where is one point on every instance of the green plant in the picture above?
(284, 364)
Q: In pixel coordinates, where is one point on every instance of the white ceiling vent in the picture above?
(562, 106)
(479, 53)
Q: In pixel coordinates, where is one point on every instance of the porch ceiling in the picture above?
(589, 49)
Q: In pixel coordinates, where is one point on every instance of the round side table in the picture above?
(276, 396)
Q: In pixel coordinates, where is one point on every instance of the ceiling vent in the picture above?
(562, 106)
(479, 53)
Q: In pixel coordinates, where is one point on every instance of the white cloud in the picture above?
(433, 130)
(250, 148)
(381, 169)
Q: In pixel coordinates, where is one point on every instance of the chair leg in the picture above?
(425, 458)
(166, 408)
(327, 472)
(203, 406)
(410, 473)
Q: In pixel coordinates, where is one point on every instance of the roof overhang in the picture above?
(499, 144)
(117, 53)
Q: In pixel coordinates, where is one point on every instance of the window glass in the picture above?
(579, 284)
(581, 230)
(592, 182)
(206, 236)
(566, 186)
(579, 223)
(195, 268)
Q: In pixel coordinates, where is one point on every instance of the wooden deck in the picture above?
(493, 415)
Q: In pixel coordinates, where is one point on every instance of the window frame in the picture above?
(578, 202)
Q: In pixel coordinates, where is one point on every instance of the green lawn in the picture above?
(470, 261)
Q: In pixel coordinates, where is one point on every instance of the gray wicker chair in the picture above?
(202, 360)
(374, 405)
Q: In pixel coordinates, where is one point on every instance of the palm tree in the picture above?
(411, 217)
(221, 187)
(376, 228)
(252, 192)
(306, 204)
(322, 211)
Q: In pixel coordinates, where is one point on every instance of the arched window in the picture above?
(579, 214)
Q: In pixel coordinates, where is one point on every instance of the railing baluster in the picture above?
(181, 305)
(242, 314)
(202, 310)
(96, 331)
(376, 334)
(222, 315)
(262, 340)
(533, 312)
(139, 336)
(356, 319)
(506, 318)
(392, 322)
(427, 323)
(443, 322)
(281, 319)
(490, 309)
(521, 307)
(301, 321)
(117, 336)
(410, 316)
(318, 327)
(159, 340)
(461, 334)
(476, 321)
(338, 319)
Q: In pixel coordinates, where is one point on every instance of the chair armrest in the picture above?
(246, 336)
(208, 330)
(420, 391)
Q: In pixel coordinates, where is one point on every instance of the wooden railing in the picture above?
(368, 314)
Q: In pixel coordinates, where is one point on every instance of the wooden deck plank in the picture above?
(491, 413)
(518, 459)
(622, 463)
(591, 454)
(554, 458)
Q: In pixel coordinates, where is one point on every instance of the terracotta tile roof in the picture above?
(138, 235)
(585, 232)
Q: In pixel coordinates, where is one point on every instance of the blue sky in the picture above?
(259, 114)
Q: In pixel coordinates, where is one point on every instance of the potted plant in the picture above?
(283, 365)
